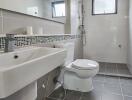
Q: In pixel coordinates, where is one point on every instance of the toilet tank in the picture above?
(70, 51)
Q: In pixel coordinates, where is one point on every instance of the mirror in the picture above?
(48, 9)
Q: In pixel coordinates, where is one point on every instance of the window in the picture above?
(101, 7)
(58, 9)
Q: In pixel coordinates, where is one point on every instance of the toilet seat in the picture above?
(84, 64)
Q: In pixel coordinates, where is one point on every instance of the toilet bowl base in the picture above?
(72, 82)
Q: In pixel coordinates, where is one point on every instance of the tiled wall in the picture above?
(130, 37)
(74, 21)
(11, 22)
(105, 34)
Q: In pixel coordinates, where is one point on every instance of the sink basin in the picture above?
(24, 66)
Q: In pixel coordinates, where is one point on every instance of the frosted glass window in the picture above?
(104, 7)
(58, 9)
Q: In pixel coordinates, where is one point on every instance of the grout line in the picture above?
(121, 88)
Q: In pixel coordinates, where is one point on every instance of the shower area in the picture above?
(107, 37)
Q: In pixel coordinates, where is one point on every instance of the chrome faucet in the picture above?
(9, 43)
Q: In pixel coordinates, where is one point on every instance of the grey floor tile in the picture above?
(74, 95)
(107, 96)
(93, 95)
(112, 88)
(98, 86)
(127, 90)
(105, 88)
(99, 78)
(58, 94)
(127, 98)
(111, 79)
(126, 81)
(111, 68)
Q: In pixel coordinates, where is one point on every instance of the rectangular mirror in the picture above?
(48, 9)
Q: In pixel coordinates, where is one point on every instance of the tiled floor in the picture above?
(114, 69)
(105, 88)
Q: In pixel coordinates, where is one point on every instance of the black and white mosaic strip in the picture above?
(31, 40)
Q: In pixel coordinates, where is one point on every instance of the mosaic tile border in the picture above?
(21, 41)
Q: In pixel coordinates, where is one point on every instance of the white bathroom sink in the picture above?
(24, 66)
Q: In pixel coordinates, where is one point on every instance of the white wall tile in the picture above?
(1, 25)
(105, 32)
(130, 39)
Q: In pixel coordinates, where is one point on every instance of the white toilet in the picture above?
(77, 75)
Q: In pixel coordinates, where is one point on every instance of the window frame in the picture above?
(116, 9)
(53, 3)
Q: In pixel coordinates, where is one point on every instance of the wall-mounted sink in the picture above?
(24, 66)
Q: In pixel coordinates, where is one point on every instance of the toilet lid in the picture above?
(85, 64)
